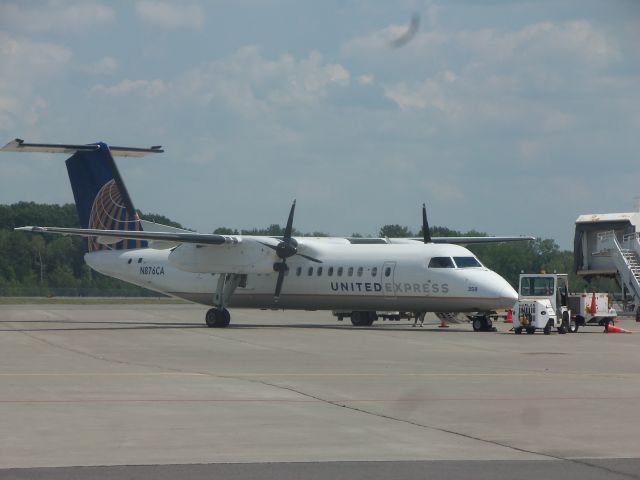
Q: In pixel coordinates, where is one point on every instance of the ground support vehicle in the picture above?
(544, 303)
(366, 319)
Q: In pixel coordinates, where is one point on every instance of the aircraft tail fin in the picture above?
(101, 198)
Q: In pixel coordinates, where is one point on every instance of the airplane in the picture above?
(363, 275)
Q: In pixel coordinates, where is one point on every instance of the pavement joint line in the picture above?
(305, 374)
(311, 400)
(461, 434)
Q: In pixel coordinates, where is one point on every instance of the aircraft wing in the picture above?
(478, 240)
(113, 236)
(164, 239)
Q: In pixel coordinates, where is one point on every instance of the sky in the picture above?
(507, 117)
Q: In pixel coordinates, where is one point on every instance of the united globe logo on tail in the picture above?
(109, 212)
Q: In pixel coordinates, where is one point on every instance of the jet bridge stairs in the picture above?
(625, 256)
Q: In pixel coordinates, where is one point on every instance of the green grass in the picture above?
(90, 301)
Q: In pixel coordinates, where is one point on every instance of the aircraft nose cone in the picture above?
(509, 296)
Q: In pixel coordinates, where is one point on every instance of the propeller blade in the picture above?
(281, 269)
(288, 229)
(425, 225)
(285, 249)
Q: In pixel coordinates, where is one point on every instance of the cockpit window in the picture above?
(441, 262)
(467, 262)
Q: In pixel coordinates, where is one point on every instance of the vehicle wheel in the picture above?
(566, 321)
(531, 330)
(573, 326)
(488, 324)
(547, 330)
(517, 330)
(218, 318)
(638, 314)
(477, 324)
(562, 329)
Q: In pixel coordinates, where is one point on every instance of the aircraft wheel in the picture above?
(218, 318)
(362, 319)
(477, 324)
(357, 319)
(517, 330)
(531, 331)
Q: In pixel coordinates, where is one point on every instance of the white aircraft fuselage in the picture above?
(287, 272)
(356, 277)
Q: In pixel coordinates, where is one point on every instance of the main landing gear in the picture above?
(363, 319)
(219, 316)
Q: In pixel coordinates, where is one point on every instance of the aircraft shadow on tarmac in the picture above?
(94, 325)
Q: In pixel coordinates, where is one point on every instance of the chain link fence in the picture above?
(78, 292)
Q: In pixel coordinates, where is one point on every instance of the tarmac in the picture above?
(146, 391)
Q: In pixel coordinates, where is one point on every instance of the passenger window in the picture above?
(130, 260)
(374, 271)
(330, 271)
(319, 271)
(441, 262)
(298, 271)
(350, 272)
(310, 271)
(360, 270)
(387, 272)
(339, 271)
(140, 260)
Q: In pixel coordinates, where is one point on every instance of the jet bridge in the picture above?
(609, 245)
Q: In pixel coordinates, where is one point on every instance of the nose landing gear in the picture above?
(482, 323)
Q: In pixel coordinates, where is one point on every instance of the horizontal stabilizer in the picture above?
(19, 145)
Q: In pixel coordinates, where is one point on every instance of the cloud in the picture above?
(576, 41)
(148, 88)
(25, 65)
(105, 65)
(365, 80)
(57, 16)
(423, 95)
(168, 15)
(250, 84)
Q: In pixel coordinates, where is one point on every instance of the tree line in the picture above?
(37, 264)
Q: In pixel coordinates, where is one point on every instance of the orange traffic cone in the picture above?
(594, 305)
(509, 316)
(443, 323)
(613, 329)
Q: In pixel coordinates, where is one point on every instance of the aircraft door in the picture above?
(388, 280)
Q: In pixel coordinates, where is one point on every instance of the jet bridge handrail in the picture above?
(622, 263)
(629, 237)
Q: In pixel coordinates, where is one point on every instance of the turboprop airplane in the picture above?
(362, 275)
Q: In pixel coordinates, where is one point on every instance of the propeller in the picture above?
(425, 225)
(288, 247)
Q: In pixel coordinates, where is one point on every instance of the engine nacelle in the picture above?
(244, 258)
